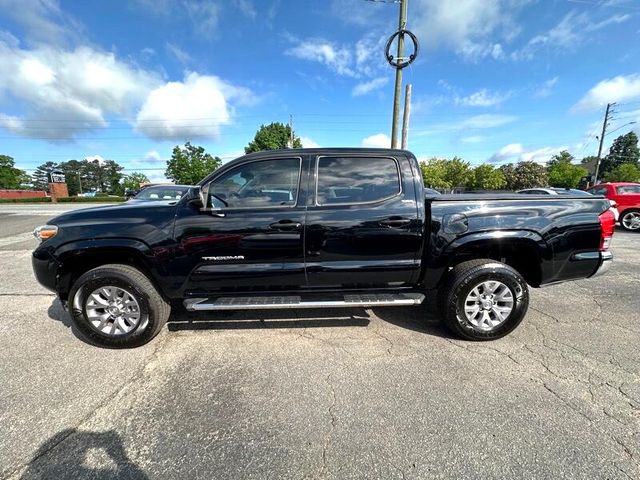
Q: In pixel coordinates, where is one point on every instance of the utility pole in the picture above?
(290, 131)
(402, 24)
(80, 181)
(405, 117)
(604, 131)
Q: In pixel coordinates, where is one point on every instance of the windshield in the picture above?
(161, 193)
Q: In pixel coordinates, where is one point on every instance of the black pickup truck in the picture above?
(318, 228)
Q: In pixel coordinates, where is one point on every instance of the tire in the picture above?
(627, 217)
(455, 294)
(147, 306)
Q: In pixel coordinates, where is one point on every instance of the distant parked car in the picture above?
(160, 193)
(568, 191)
(553, 191)
(627, 197)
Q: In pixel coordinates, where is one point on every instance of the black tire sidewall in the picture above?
(86, 284)
(455, 308)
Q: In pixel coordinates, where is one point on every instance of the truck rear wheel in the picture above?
(483, 299)
(117, 306)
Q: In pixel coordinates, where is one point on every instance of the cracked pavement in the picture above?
(365, 393)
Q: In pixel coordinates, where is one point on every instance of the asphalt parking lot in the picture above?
(382, 393)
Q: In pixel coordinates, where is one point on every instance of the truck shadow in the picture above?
(419, 319)
(86, 454)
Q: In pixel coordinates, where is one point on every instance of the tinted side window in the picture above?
(598, 191)
(267, 183)
(356, 179)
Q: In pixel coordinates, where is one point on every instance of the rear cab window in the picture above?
(344, 180)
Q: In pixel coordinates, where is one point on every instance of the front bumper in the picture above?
(44, 269)
(606, 260)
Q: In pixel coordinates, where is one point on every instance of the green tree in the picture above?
(111, 174)
(457, 172)
(433, 173)
(274, 136)
(10, 176)
(486, 177)
(79, 176)
(40, 178)
(563, 173)
(524, 175)
(623, 150)
(190, 164)
(625, 172)
(134, 180)
(444, 173)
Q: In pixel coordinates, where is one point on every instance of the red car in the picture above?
(627, 197)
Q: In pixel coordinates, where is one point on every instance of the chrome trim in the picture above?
(606, 260)
(586, 256)
(317, 168)
(273, 302)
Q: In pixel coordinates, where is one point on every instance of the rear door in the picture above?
(362, 226)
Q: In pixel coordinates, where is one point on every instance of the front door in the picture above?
(251, 239)
(362, 227)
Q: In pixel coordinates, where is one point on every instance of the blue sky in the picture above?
(495, 81)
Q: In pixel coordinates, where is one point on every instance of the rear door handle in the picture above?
(395, 222)
(286, 225)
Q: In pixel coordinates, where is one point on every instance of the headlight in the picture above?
(44, 232)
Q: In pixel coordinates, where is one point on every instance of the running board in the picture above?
(260, 303)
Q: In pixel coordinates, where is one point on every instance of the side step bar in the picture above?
(272, 302)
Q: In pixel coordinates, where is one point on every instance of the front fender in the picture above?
(76, 257)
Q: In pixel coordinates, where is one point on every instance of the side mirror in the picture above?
(203, 192)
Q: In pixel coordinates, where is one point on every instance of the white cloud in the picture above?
(74, 90)
(487, 120)
(42, 20)
(379, 140)
(546, 89)
(247, 8)
(541, 155)
(357, 13)
(468, 27)
(568, 34)
(308, 143)
(506, 153)
(367, 87)
(515, 152)
(482, 98)
(204, 15)
(183, 57)
(152, 156)
(618, 89)
(192, 109)
(358, 60)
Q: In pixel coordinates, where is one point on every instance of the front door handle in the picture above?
(395, 222)
(286, 225)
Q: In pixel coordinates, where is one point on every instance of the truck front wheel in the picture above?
(483, 299)
(117, 306)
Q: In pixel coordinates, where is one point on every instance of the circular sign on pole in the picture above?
(401, 62)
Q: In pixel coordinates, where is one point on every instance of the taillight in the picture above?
(607, 227)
